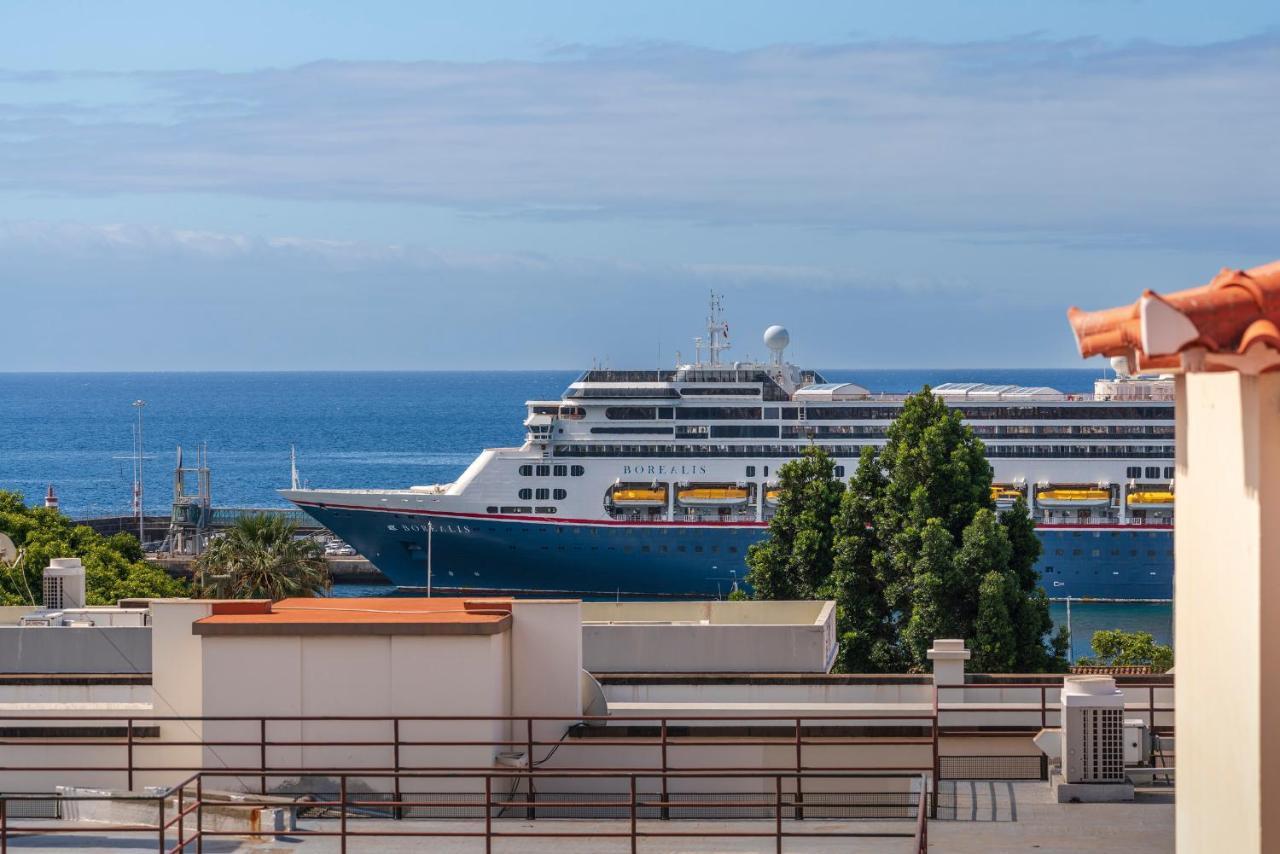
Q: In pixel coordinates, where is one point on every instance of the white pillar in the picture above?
(1227, 612)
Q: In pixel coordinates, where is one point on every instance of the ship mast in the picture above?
(717, 333)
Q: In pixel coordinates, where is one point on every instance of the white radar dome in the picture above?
(776, 338)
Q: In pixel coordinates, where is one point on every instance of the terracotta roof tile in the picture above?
(379, 616)
(1228, 324)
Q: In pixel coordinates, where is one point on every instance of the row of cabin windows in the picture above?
(992, 451)
(1149, 472)
(519, 511)
(1114, 553)
(751, 471)
(876, 431)
(542, 494)
(553, 471)
(884, 413)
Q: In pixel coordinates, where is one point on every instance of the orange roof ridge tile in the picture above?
(1232, 323)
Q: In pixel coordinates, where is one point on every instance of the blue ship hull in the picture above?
(603, 558)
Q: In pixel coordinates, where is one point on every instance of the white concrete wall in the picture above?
(1227, 612)
(715, 612)
(177, 678)
(351, 675)
(546, 664)
(693, 648)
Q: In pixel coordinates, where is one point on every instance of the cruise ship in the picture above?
(655, 482)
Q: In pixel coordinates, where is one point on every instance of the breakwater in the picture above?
(342, 570)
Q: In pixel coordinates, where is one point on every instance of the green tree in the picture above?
(858, 575)
(918, 551)
(1116, 647)
(797, 557)
(113, 566)
(262, 557)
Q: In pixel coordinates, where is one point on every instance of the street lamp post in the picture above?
(139, 405)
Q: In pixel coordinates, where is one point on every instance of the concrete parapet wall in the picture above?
(708, 637)
(64, 649)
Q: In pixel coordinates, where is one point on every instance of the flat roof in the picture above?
(358, 616)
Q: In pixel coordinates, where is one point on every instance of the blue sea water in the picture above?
(351, 429)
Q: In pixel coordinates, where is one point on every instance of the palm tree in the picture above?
(261, 557)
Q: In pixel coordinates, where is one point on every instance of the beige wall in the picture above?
(712, 611)
(546, 663)
(400, 675)
(708, 637)
(1227, 614)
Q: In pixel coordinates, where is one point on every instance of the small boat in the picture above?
(1005, 496)
(713, 496)
(1077, 497)
(1152, 499)
(639, 496)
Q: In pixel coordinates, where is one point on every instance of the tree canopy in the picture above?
(113, 566)
(1117, 647)
(262, 557)
(911, 550)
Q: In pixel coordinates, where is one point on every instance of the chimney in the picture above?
(51, 498)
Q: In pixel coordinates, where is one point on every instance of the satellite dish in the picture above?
(8, 551)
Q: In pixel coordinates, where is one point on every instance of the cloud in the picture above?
(47, 245)
(1074, 141)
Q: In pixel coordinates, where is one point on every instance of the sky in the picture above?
(410, 185)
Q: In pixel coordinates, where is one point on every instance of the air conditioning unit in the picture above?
(63, 584)
(1137, 742)
(1093, 730)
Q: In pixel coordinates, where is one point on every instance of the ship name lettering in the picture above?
(672, 468)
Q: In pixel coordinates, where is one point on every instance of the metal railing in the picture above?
(352, 807)
(1044, 711)
(663, 734)
(392, 757)
(164, 822)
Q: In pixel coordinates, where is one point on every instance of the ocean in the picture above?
(351, 429)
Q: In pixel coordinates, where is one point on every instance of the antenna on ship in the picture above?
(293, 468)
(717, 331)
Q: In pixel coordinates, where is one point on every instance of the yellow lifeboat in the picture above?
(771, 495)
(1151, 499)
(713, 496)
(1073, 497)
(639, 496)
(1004, 496)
